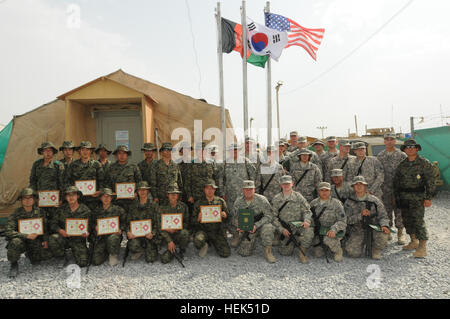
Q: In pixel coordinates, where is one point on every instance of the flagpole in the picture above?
(244, 67)
(221, 92)
(269, 92)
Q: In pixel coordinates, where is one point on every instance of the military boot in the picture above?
(413, 244)
(376, 254)
(421, 251)
(113, 260)
(137, 255)
(389, 237)
(14, 270)
(235, 241)
(269, 256)
(338, 255)
(400, 237)
(203, 250)
(302, 255)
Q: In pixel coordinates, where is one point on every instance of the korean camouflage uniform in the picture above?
(106, 244)
(414, 182)
(180, 237)
(371, 169)
(186, 182)
(297, 209)
(310, 180)
(355, 228)
(214, 233)
(390, 161)
(161, 177)
(140, 211)
(146, 169)
(58, 244)
(264, 227)
(331, 216)
(18, 242)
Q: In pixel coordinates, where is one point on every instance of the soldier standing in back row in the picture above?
(414, 186)
(390, 158)
(67, 148)
(146, 165)
(269, 174)
(340, 161)
(103, 153)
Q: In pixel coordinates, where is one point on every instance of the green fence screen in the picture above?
(4, 139)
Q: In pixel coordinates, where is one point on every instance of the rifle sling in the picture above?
(301, 177)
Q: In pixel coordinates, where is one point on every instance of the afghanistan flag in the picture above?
(232, 41)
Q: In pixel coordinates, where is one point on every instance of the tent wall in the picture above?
(28, 132)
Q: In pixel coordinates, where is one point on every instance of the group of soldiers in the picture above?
(327, 202)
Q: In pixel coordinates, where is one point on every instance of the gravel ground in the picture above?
(402, 276)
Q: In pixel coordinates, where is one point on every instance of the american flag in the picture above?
(308, 39)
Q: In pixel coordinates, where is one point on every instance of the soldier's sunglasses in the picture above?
(410, 146)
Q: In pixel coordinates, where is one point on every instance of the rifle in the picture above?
(368, 234)
(127, 251)
(91, 252)
(178, 256)
(317, 231)
(247, 233)
(291, 237)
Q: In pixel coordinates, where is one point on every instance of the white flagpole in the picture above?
(221, 92)
(244, 67)
(269, 92)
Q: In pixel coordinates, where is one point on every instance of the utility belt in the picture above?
(413, 190)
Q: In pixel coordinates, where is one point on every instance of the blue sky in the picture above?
(403, 68)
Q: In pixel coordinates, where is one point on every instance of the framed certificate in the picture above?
(87, 187)
(125, 190)
(31, 226)
(76, 226)
(107, 226)
(48, 198)
(171, 221)
(210, 214)
(140, 228)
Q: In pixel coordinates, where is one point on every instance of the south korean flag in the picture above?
(263, 40)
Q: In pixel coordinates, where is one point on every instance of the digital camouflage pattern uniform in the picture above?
(341, 193)
(213, 233)
(58, 244)
(264, 227)
(390, 161)
(414, 182)
(355, 228)
(293, 157)
(140, 211)
(106, 245)
(337, 162)
(181, 237)
(266, 184)
(296, 209)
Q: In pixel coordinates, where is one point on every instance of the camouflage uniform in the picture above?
(342, 193)
(332, 218)
(293, 157)
(144, 166)
(66, 144)
(371, 169)
(297, 209)
(214, 233)
(307, 186)
(181, 237)
(413, 183)
(337, 162)
(264, 175)
(141, 244)
(18, 242)
(355, 229)
(106, 244)
(200, 174)
(161, 177)
(390, 161)
(264, 227)
(108, 162)
(58, 244)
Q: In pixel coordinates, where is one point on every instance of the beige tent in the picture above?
(117, 103)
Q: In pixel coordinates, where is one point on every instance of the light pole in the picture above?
(277, 87)
(322, 128)
(251, 120)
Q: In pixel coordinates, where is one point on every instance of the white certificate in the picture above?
(31, 226)
(48, 198)
(76, 226)
(140, 228)
(171, 221)
(87, 187)
(125, 190)
(107, 226)
(210, 214)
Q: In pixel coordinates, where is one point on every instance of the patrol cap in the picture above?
(210, 182)
(123, 148)
(148, 147)
(250, 139)
(358, 145)
(318, 142)
(47, 145)
(390, 135)
(67, 144)
(199, 146)
(106, 191)
(344, 143)
(286, 179)
(27, 191)
(173, 189)
(410, 142)
(324, 185)
(284, 141)
(248, 184)
(302, 139)
(337, 172)
(331, 138)
(293, 133)
(85, 144)
(359, 179)
(166, 146)
(233, 146)
(305, 151)
(102, 147)
(142, 185)
(73, 189)
(184, 145)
